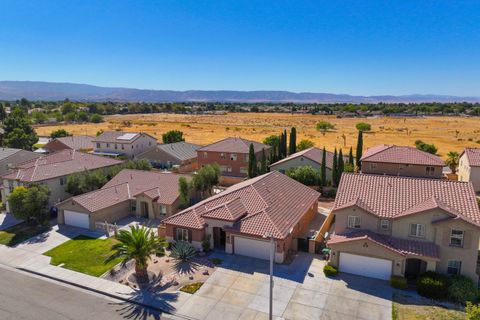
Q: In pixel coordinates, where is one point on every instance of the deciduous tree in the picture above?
(173, 136)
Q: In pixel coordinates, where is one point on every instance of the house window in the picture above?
(245, 158)
(401, 166)
(222, 155)
(63, 180)
(417, 230)
(116, 146)
(456, 238)
(123, 147)
(182, 235)
(454, 267)
(205, 155)
(163, 209)
(98, 145)
(223, 168)
(353, 222)
(373, 166)
(108, 145)
(134, 206)
(229, 169)
(243, 170)
(233, 156)
(430, 171)
(384, 224)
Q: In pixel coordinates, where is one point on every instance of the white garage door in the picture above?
(365, 266)
(77, 219)
(252, 248)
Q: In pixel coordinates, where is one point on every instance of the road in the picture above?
(23, 296)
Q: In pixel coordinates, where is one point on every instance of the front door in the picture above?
(219, 238)
(414, 267)
(144, 208)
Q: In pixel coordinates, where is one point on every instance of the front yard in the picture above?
(19, 233)
(410, 307)
(84, 254)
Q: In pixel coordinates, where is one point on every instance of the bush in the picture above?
(432, 285)
(398, 282)
(461, 289)
(473, 311)
(330, 271)
(329, 193)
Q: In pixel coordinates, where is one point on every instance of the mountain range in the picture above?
(55, 91)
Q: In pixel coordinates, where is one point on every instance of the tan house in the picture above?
(148, 194)
(53, 170)
(179, 155)
(128, 144)
(309, 157)
(401, 161)
(404, 226)
(469, 167)
(79, 143)
(238, 219)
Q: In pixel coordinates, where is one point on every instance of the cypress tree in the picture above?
(359, 149)
(284, 147)
(335, 168)
(280, 147)
(292, 148)
(350, 157)
(263, 167)
(323, 170)
(252, 162)
(341, 166)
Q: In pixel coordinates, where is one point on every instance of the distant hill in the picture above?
(53, 91)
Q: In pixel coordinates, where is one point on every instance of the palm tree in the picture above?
(139, 244)
(452, 161)
(183, 253)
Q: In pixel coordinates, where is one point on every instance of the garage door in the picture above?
(77, 219)
(365, 266)
(252, 248)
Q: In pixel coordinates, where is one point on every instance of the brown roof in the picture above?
(237, 145)
(271, 203)
(314, 154)
(74, 142)
(473, 156)
(58, 164)
(162, 187)
(392, 197)
(401, 154)
(119, 136)
(403, 247)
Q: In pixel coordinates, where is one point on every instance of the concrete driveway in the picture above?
(239, 289)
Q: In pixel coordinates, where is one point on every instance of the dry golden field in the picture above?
(447, 133)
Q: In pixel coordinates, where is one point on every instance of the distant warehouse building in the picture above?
(181, 155)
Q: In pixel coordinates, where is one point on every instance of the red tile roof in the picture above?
(401, 154)
(58, 164)
(237, 145)
(473, 156)
(273, 202)
(392, 197)
(313, 154)
(403, 247)
(162, 187)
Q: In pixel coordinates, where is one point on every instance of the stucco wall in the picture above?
(394, 169)
(235, 165)
(130, 149)
(468, 173)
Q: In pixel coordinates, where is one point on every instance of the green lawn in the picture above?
(84, 254)
(19, 233)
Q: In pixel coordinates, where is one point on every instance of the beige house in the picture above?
(128, 144)
(53, 170)
(401, 161)
(469, 167)
(179, 155)
(148, 194)
(403, 226)
(238, 219)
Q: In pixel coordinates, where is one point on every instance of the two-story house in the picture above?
(179, 155)
(469, 167)
(231, 154)
(53, 171)
(401, 161)
(402, 226)
(117, 143)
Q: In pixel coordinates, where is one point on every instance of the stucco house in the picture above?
(238, 219)
(11, 157)
(401, 161)
(53, 170)
(181, 155)
(404, 226)
(231, 154)
(469, 167)
(149, 194)
(308, 157)
(79, 143)
(128, 144)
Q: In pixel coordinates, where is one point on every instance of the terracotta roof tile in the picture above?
(473, 156)
(401, 154)
(314, 154)
(391, 197)
(237, 145)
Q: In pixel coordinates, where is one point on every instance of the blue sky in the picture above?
(356, 47)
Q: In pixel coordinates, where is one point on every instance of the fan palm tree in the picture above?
(139, 243)
(452, 161)
(183, 253)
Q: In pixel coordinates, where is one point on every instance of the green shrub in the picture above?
(398, 282)
(461, 289)
(432, 285)
(473, 311)
(216, 261)
(191, 288)
(330, 271)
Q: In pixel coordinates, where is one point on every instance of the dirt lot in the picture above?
(408, 307)
(204, 129)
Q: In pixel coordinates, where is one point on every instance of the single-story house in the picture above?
(148, 194)
(180, 155)
(239, 219)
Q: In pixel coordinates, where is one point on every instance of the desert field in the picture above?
(447, 133)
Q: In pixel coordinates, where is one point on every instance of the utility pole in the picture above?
(272, 257)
